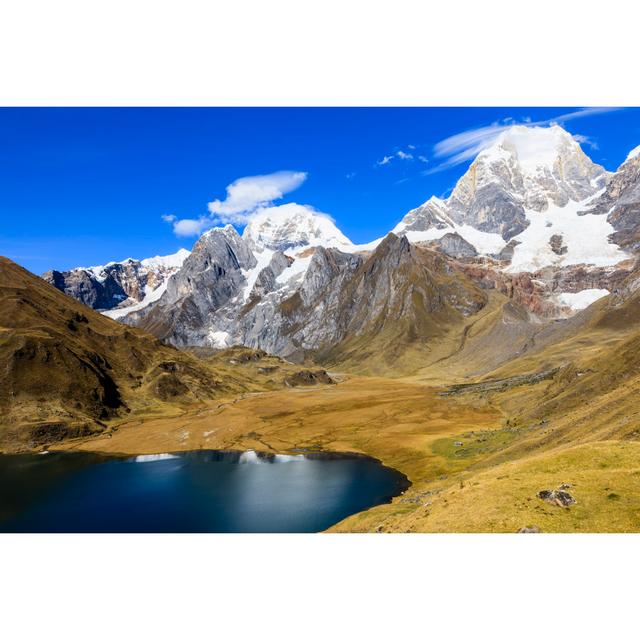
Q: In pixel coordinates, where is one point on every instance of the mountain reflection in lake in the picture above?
(200, 491)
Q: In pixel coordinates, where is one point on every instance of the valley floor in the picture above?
(471, 470)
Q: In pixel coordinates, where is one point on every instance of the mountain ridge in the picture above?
(526, 220)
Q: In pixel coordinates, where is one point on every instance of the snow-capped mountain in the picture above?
(533, 218)
(118, 288)
(521, 201)
(293, 226)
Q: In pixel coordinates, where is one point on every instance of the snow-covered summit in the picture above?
(535, 166)
(175, 260)
(293, 226)
(526, 187)
(533, 148)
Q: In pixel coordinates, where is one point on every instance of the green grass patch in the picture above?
(471, 445)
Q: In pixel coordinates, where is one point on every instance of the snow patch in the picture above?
(218, 339)
(582, 299)
(585, 236)
(251, 275)
(484, 243)
(173, 261)
(535, 148)
(633, 153)
(369, 246)
(294, 225)
(149, 297)
(295, 271)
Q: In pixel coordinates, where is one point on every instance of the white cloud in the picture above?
(586, 140)
(423, 159)
(246, 194)
(189, 227)
(404, 156)
(468, 144)
(245, 197)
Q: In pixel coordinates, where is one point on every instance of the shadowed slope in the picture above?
(65, 368)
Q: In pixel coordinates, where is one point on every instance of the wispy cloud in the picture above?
(464, 146)
(400, 154)
(244, 198)
(385, 160)
(585, 140)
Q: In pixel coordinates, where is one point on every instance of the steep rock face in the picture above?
(345, 297)
(300, 315)
(85, 287)
(208, 279)
(117, 284)
(620, 202)
(315, 300)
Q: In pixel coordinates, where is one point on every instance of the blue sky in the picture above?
(82, 186)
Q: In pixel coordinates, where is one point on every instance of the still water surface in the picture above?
(200, 491)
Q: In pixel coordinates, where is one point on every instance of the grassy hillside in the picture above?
(67, 371)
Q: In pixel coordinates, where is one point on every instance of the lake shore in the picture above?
(470, 469)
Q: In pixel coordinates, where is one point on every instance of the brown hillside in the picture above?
(65, 369)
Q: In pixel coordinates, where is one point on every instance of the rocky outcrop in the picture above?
(558, 497)
(455, 246)
(541, 292)
(556, 242)
(307, 378)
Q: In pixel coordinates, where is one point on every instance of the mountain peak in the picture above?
(534, 148)
(293, 226)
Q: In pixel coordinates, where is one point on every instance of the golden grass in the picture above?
(477, 460)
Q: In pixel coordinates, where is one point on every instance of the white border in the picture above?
(322, 586)
(318, 53)
(334, 52)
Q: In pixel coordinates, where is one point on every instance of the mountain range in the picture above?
(533, 219)
(487, 346)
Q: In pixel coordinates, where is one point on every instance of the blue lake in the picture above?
(200, 491)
